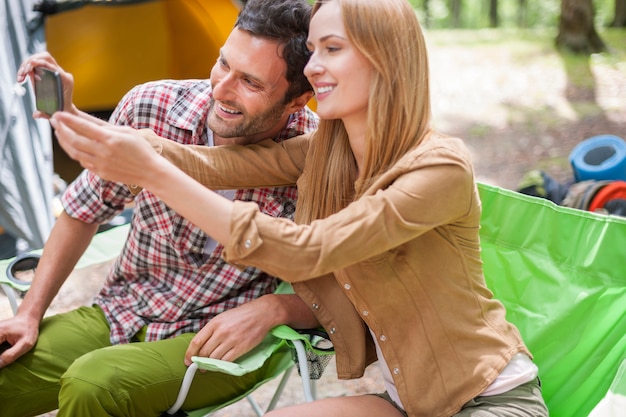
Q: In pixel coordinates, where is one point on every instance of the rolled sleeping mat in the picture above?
(599, 158)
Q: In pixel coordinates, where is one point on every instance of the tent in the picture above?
(25, 144)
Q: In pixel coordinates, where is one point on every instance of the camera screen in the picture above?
(48, 91)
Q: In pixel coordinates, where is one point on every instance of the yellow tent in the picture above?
(110, 47)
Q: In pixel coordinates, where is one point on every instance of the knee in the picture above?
(88, 385)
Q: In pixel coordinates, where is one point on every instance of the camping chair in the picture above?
(105, 246)
(305, 347)
(561, 273)
(283, 346)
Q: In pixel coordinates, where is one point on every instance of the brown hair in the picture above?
(389, 35)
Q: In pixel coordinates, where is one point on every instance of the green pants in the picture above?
(74, 368)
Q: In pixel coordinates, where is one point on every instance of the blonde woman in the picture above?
(385, 246)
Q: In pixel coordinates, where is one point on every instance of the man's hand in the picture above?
(21, 334)
(233, 332)
(237, 331)
(45, 60)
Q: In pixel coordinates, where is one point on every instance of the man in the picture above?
(170, 280)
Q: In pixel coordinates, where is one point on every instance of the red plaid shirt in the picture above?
(163, 278)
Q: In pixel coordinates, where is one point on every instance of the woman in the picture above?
(385, 247)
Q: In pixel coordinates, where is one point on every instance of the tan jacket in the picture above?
(403, 260)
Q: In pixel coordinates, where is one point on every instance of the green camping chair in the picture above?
(282, 346)
(105, 246)
(561, 273)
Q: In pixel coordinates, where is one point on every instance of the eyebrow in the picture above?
(327, 37)
(245, 74)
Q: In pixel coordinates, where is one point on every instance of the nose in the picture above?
(223, 87)
(313, 67)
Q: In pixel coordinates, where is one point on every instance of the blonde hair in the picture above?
(388, 34)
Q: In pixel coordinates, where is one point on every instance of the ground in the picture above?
(518, 105)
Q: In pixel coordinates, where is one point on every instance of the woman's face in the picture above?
(338, 72)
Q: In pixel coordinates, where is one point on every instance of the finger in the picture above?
(82, 126)
(216, 352)
(76, 146)
(197, 343)
(40, 115)
(11, 354)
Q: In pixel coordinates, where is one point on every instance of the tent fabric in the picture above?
(25, 144)
(561, 273)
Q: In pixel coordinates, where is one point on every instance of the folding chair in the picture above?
(104, 247)
(283, 345)
(561, 273)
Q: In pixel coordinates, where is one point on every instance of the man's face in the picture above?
(249, 85)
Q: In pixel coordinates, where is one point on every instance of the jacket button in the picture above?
(396, 371)
(332, 330)
(383, 338)
(315, 306)
(247, 244)
(347, 286)
(366, 313)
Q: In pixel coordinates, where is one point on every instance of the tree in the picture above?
(619, 21)
(455, 11)
(493, 13)
(577, 32)
(522, 13)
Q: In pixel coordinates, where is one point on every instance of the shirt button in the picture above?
(315, 306)
(383, 338)
(366, 313)
(396, 371)
(332, 330)
(347, 286)
(179, 304)
(247, 243)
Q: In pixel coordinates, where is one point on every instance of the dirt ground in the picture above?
(518, 108)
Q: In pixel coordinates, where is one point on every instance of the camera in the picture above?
(48, 91)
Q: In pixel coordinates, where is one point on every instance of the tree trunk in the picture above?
(522, 13)
(577, 32)
(455, 9)
(493, 13)
(619, 21)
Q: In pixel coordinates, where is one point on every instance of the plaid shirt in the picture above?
(163, 278)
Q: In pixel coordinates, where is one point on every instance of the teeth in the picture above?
(323, 90)
(228, 110)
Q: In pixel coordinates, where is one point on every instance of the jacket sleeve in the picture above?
(434, 190)
(265, 164)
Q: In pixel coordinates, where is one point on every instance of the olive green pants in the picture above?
(74, 368)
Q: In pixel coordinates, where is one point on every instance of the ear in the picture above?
(299, 102)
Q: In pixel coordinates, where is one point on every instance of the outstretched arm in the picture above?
(119, 154)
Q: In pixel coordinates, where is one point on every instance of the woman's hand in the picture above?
(114, 153)
(44, 59)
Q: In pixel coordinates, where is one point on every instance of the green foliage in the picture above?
(475, 13)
